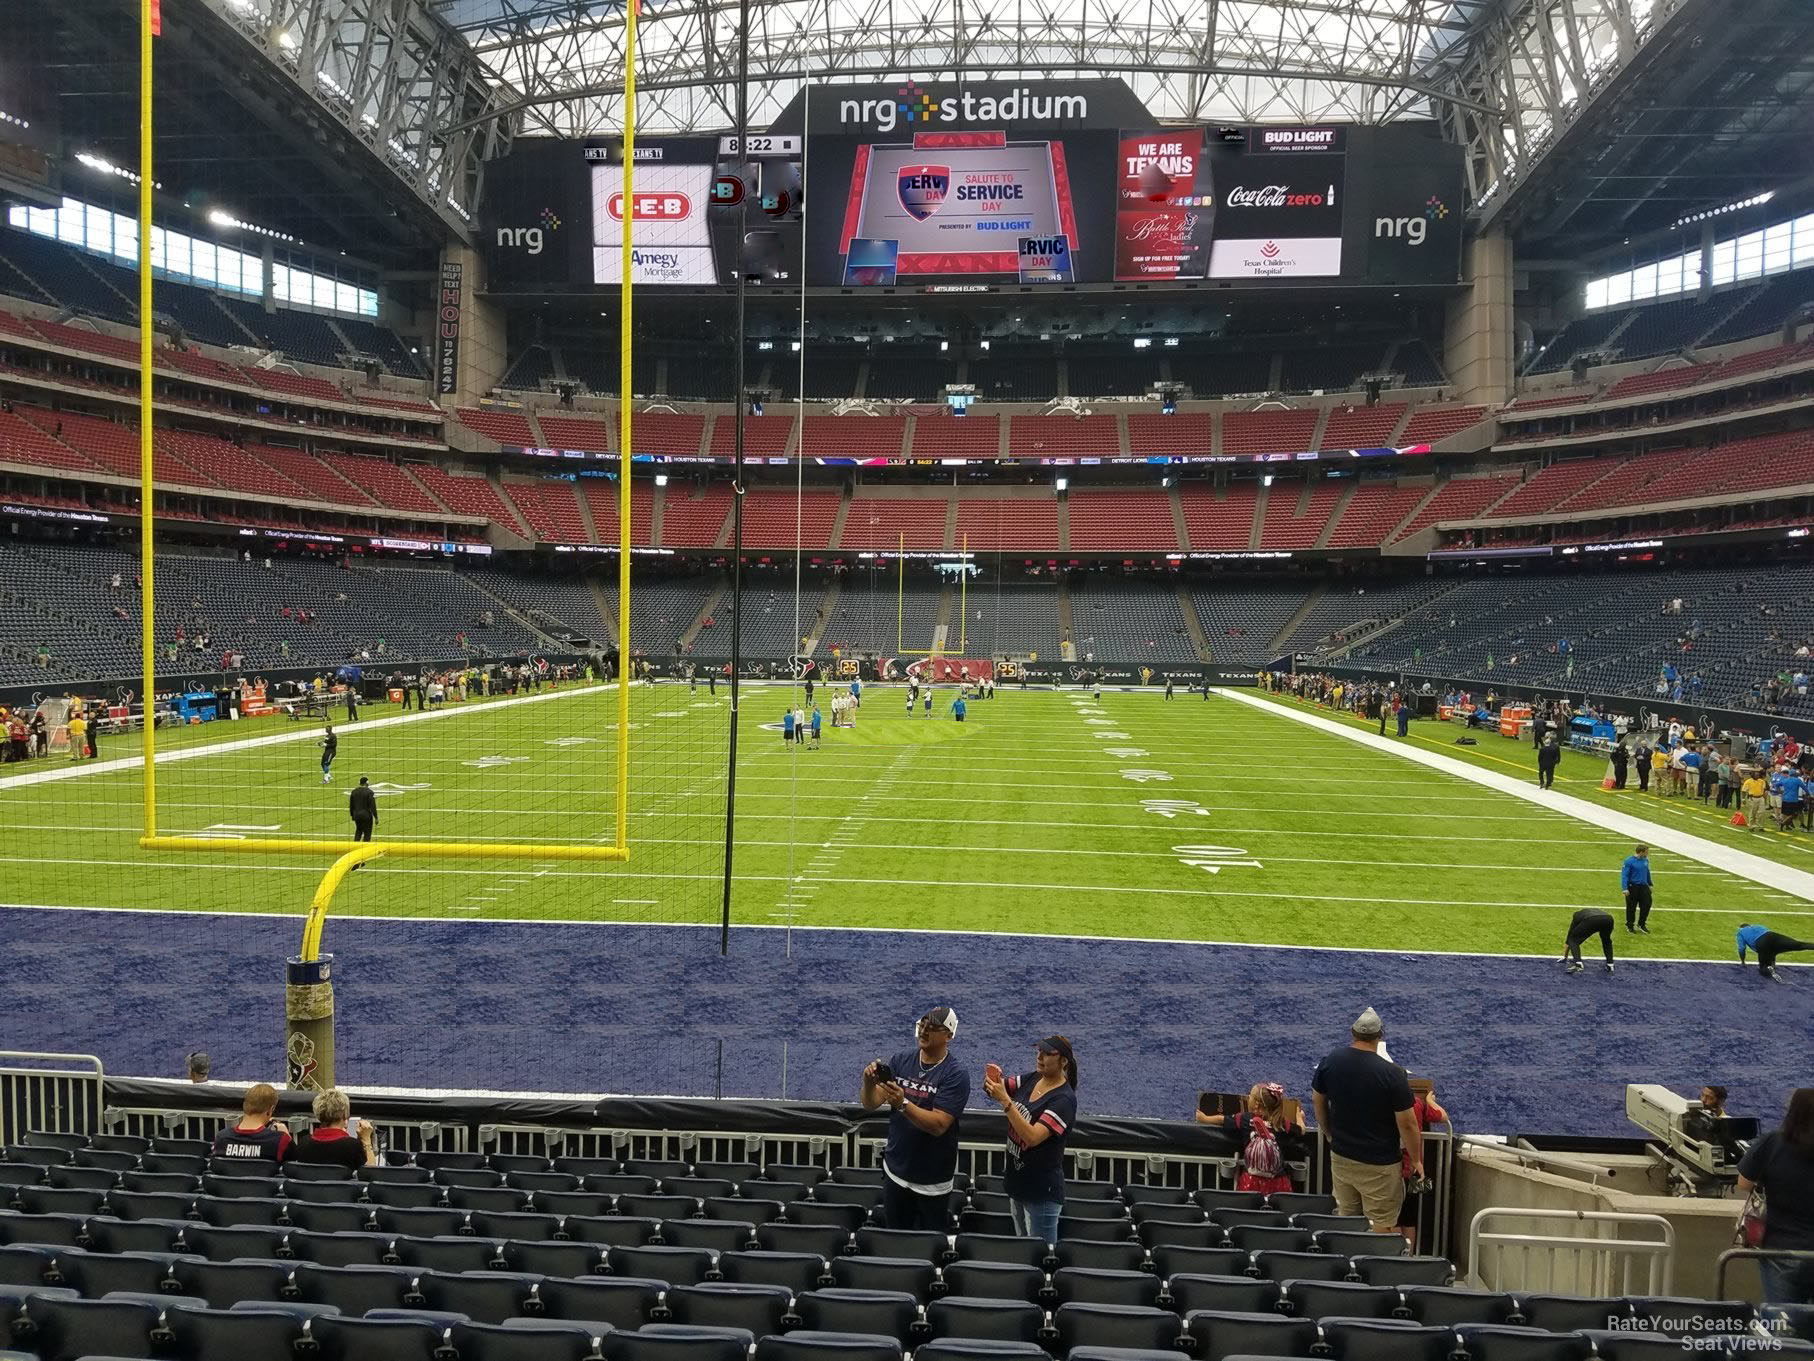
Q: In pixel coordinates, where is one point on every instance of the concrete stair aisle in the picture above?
(1178, 524)
(1068, 650)
(585, 517)
(827, 611)
(1335, 514)
(1193, 625)
(707, 610)
(843, 516)
(1297, 617)
(1260, 503)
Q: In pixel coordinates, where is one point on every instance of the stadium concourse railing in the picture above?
(69, 1094)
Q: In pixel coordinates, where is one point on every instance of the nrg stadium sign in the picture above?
(915, 107)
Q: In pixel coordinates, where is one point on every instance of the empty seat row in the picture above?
(574, 1321)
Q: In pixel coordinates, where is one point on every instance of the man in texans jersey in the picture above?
(925, 1090)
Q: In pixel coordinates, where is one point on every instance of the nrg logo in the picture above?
(1413, 230)
(530, 239)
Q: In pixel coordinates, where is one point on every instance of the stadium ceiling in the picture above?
(1249, 61)
(1626, 116)
(319, 118)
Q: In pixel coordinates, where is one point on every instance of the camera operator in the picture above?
(925, 1092)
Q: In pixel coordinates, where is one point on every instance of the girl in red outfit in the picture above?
(1264, 1122)
(1428, 1113)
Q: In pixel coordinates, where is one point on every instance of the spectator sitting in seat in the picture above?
(331, 1141)
(199, 1066)
(256, 1134)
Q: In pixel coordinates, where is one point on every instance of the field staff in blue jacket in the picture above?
(1768, 945)
(1634, 879)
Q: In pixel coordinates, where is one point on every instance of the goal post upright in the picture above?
(626, 342)
(309, 1028)
(147, 518)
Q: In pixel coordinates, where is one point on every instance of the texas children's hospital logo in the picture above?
(915, 107)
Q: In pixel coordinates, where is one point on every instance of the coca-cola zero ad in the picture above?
(1187, 208)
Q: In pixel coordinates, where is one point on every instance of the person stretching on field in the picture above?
(1768, 944)
(330, 747)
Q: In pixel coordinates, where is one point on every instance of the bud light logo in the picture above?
(922, 189)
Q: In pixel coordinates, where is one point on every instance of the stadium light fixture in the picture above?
(225, 219)
(102, 166)
(794, 345)
(14, 120)
(943, 345)
(661, 479)
(1707, 214)
(1062, 484)
(985, 344)
(1266, 481)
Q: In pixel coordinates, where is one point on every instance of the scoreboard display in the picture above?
(959, 204)
(979, 186)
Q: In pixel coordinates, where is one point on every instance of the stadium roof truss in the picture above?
(395, 76)
(1504, 77)
(1298, 61)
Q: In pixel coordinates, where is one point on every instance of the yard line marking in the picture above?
(1741, 864)
(307, 733)
(1549, 957)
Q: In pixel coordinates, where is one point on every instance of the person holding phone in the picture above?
(925, 1093)
(337, 1138)
(1041, 1107)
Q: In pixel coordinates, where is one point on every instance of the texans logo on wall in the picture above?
(922, 189)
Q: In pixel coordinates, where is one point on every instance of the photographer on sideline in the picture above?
(925, 1092)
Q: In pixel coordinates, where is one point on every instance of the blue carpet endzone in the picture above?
(1513, 1044)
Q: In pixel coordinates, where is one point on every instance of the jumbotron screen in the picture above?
(982, 186)
(1073, 183)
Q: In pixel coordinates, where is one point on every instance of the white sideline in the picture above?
(76, 769)
(1798, 883)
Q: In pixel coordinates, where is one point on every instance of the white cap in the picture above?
(945, 1018)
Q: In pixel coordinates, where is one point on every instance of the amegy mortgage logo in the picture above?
(531, 240)
(912, 105)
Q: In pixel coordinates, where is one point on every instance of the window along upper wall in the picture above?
(190, 259)
(1738, 259)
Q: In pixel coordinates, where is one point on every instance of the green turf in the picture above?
(1028, 818)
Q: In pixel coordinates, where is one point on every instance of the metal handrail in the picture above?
(1755, 1254)
(1541, 1159)
(1659, 1250)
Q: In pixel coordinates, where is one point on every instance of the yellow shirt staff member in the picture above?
(1753, 790)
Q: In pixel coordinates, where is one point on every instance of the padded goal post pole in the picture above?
(147, 544)
(625, 444)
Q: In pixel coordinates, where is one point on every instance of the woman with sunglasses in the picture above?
(1041, 1107)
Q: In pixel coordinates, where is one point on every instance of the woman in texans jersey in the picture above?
(1041, 1107)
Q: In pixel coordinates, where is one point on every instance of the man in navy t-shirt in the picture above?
(926, 1094)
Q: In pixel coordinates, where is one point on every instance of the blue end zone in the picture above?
(1513, 1044)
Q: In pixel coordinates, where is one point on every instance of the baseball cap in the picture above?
(1052, 1044)
(1368, 1025)
(945, 1018)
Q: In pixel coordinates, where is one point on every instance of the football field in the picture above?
(1044, 812)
